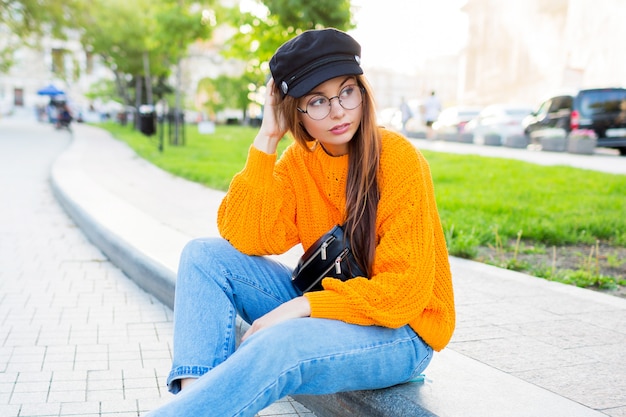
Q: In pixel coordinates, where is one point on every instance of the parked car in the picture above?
(499, 119)
(391, 118)
(452, 121)
(602, 110)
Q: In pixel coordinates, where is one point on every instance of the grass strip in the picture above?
(483, 201)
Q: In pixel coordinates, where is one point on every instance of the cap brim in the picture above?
(323, 74)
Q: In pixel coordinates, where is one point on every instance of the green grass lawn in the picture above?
(211, 160)
(502, 204)
(554, 205)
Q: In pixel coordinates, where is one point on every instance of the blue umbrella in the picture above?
(50, 90)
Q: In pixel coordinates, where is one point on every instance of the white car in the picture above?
(503, 120)
(452, 121)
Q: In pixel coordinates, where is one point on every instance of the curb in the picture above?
(87, 204)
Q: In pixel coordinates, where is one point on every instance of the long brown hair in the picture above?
(362, 193)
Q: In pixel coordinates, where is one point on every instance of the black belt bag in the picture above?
(329, 256)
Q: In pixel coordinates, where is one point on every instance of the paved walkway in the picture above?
(79, 338)
(605, 159)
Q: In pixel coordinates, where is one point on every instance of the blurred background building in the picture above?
(525, 50)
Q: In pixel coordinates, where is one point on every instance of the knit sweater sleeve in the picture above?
(411, 281)
(256, 215)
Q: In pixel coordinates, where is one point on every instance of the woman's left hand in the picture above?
(295, 308)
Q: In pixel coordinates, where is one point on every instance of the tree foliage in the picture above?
(23, 22)
(140, 39)
(143, 38)
(259, 34)
(304, 15)
(26, 18)
(225, 92)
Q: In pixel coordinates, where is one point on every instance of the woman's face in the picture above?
(337, 128)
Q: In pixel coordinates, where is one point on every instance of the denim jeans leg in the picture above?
(302, 356)
(215, 283)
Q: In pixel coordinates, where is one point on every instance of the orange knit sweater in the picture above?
(272, 206)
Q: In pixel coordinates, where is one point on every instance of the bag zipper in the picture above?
(340, 259)
(321, 251)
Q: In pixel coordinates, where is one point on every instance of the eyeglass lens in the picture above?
(349, 98)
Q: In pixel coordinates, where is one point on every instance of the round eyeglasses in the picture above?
(318, 106)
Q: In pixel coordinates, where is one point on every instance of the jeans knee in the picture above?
(195, 247)
(202, 249)
(198, 255)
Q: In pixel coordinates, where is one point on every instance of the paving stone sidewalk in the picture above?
(77, 336)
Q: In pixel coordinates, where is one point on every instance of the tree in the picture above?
(182, 25)
(23, 22)
(143, 39)
(225, 92)
(25, 18)
(260, 34)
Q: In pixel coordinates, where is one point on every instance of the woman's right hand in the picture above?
(292, 309)
(272, 129)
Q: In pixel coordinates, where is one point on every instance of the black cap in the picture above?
(313, 57)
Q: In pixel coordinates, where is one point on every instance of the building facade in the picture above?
(524, 50)
(62, 63)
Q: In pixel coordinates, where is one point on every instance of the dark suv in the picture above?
(601, 109)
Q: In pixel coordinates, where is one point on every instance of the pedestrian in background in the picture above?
(407, 113)
(368, 332)
(432, 108)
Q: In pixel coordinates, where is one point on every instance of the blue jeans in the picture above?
(299, 356)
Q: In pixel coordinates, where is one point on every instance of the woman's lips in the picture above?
(340, 129)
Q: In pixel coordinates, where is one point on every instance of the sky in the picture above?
(400, 34)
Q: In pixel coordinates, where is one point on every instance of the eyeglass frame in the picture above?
(330, 103)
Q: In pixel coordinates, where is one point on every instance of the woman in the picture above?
(368, 332)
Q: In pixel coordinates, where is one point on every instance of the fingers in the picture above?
(270, 98)
(254, 327)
